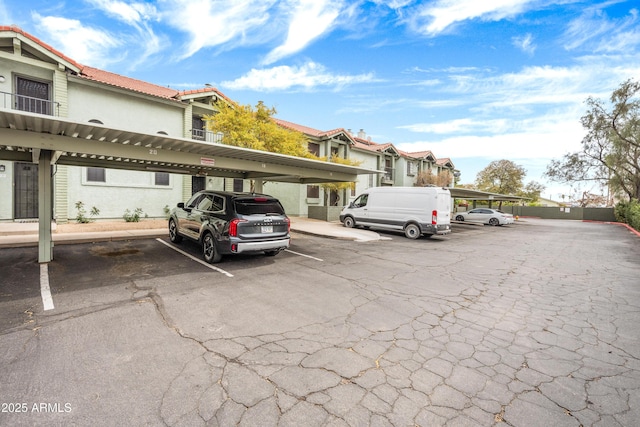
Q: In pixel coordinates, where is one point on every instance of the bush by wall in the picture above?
(629, 213)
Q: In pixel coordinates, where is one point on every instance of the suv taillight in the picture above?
(233, 226)
(288, 221)
(434, 217)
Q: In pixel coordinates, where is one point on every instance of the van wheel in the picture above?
(412, 231)
(349, 222)
(209, 252)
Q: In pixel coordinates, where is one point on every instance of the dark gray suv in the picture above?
(231, 223)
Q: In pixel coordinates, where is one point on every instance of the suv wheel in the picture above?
(173, 232)
(211, 255)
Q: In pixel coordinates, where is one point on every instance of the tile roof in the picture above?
(123, 82)
(311, 131)
(36, 40)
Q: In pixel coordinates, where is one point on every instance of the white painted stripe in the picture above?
(308, 256)
(47, 300)
(206, 264)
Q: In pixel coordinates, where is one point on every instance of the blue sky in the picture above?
(471, 80)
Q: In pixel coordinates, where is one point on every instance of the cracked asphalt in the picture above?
(535, 324)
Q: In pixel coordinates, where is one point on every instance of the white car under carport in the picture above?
(485, 216)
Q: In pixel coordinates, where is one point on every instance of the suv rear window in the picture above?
(259, 206)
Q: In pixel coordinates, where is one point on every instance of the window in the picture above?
(218, 204)
(313, 192)
(205, 203)
(238, 185)
(259, 206)
(96, 175)
(32, 96)
(197, 129)
(162, 178)
(361, 201)
(193, 202)
(411, 168)
(314, 148)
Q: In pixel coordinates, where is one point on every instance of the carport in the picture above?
(475, 195)
(48, 140)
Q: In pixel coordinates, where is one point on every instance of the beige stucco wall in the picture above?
(120, 111)
(369, 161)
(122, 190)
(6, 190)
(292, 196)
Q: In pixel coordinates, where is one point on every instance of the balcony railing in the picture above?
(30, 104)
(389, 174)
(207, 136)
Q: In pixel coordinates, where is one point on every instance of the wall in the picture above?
(369, 161)
(589, 214)
(122, 190)
(292, 196)
(125, 111)
(6, 190)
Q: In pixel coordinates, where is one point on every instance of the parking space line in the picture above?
(45, 290)
(307, 256)
(219, 270)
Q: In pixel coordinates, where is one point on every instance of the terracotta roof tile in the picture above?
(311, 131)
(205, 90)
(113, 79)
(129, 83)
(36, 40)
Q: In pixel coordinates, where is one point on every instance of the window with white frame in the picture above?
(162, 178)
(96, 175)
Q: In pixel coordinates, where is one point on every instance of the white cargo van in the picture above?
(415, 210)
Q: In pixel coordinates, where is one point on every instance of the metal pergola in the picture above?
(47, 140)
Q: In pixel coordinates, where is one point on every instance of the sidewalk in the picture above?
(15, 234)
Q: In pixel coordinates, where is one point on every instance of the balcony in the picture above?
(27, 103)
(206, 136)
(389, 175)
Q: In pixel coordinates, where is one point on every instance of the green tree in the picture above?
(501, 176)
(610, 152)
(248, 127)
(532, 191)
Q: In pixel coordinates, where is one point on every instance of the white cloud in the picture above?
(466, 125)
(309, 20)
(306, 77)
(131, 13)
(525, 43)
(595, 31)
(223, 22)
(436, 17)
(550, 139)
(86, 45)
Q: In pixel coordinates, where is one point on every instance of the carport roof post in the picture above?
(47, 140)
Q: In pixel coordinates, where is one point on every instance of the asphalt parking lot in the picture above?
(534, 324)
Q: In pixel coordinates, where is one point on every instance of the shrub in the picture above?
(633, 214)
(629, 213)
(82, 213)
(133, 217)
